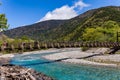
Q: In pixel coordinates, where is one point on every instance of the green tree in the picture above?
(107, 32)
(93, 34)
(110, 24)
(25, 38)
(3, 22)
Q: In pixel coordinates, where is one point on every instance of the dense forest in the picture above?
(100, 24)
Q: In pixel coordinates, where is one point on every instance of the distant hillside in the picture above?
(34, 31)
(94, 25)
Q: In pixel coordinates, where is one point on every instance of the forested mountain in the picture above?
(35, 31)
(94, 25)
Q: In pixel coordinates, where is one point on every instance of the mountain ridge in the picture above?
(69, 30)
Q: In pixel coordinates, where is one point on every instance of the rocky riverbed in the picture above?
(12, 72)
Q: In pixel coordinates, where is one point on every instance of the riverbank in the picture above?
(93, 56)
(12, 72)
(5, 58)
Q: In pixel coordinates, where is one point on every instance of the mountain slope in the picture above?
(99, 18)
(104, 22)
(34, 31)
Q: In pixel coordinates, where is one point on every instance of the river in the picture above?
(65, 71)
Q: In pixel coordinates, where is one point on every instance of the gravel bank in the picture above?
(90, 57)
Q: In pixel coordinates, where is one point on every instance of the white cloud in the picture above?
(80, 4)
(65, 12)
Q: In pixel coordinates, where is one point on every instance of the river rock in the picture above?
(12, 72)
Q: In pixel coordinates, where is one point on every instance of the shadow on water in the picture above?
(44, 62)
(47, 62)
(53, 61)
(90, 56)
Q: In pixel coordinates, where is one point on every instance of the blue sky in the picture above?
(25, 12)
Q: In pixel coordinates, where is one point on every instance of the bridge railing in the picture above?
(45, 45)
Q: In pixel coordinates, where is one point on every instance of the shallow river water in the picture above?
(65, 71)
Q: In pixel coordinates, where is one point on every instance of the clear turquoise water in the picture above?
(66, 71)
